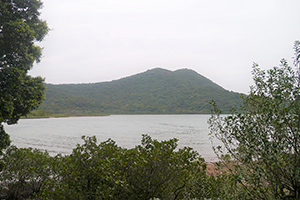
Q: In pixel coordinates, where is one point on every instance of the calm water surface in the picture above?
(60, 135)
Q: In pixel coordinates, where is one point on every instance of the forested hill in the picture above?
(154, 91)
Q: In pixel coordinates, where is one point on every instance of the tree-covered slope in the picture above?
(154, 91)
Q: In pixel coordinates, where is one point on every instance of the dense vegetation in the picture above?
(104, 171)
(20, 30)
(152, 170)
(154, 91)
(264, 139)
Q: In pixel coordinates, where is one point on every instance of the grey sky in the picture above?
(104, 40)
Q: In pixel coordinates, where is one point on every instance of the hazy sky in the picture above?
(104, 40)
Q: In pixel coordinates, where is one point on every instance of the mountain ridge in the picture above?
(155, 91)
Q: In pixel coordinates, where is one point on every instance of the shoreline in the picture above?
(63, 115)
(97, 115)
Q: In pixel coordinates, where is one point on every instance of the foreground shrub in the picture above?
(265, 138)
(91, 172)
(24, 173)
(157, 170)
(105, 171)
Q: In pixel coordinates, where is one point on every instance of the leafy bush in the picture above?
(264, 139)
(24, 173)
(105, 171)
(158, 170)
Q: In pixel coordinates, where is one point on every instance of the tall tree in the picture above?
(20, 29)
(265, 138)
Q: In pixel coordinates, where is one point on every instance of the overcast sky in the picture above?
(103, 40)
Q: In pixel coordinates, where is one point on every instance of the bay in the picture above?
(60, 135)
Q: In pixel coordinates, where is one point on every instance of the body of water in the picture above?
(60, 135)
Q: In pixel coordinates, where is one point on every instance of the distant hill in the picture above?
(156, 91)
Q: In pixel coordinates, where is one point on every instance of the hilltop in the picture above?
(156, 91)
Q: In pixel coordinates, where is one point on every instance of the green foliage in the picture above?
(152, 170)
(24, 172)
(20, 28)
(103, 171)
(157, 170)
(155, 91)
(219, 186)
(91, 172)
(265, 137)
